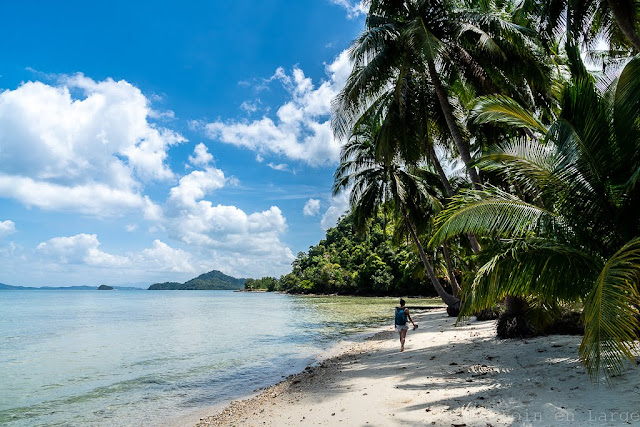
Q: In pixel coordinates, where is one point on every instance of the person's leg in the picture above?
(403, 335)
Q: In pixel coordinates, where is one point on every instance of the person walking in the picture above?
(402, 314)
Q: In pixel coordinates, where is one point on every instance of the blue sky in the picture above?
(154, 141)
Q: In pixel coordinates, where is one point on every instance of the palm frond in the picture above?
(504, 110)
(626, 117)
(492, 212)
(611, 310)
(531, 267)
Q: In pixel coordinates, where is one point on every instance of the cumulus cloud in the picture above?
(354, 9)
(7, 227)
(80, 139)
(311, 208)
(301, 127)
(338, 207)
(201, 156)
(237, 242)
(196, 185)
(162, 257)
(82, 249)
(91, 198)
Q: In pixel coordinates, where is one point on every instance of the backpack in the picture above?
(401, 316)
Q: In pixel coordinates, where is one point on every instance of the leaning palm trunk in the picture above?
(455, 288)
(473, 240)
(450, 300)
(447, 111)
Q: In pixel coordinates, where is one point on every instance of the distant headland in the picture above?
(213, 280)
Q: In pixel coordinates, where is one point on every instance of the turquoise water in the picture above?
(134, 357)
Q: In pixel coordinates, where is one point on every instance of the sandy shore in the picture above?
(447, 376)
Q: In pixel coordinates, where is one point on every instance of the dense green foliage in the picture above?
(264, 284)
(575, 215)
(348, 263)
(213, 280)
(550, 151)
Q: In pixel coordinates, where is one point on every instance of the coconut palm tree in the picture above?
(376, 179)
(573, 231)
(440, 42)
(584, 21)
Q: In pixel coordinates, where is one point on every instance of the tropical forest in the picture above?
(492, 159)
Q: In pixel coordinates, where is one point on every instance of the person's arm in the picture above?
(406, 311)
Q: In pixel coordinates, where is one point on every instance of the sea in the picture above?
(130, 358)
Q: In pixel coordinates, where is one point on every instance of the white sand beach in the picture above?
(447, 376)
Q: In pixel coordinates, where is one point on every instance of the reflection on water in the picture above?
(128, 358)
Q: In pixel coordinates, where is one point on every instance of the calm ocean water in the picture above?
(134, 357)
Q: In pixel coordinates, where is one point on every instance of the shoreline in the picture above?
(336, 350)
(460, 375)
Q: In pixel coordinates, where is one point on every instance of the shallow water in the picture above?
(134, 357)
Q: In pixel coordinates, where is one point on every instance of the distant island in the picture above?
(213, 280)
(105, 288)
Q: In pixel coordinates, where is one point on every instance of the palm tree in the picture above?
(438, 41)
(573, 232)
(585, 20)
(379, 179)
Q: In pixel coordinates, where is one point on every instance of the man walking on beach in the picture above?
(402, 314)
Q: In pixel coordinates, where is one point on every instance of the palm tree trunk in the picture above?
(450, 300)
(447, 110)
(475, 246)
(455, 288)
(440, 170)
(514, 305)
(624, 13)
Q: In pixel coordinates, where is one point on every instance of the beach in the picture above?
(448, 375)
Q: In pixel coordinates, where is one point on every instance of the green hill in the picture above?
(213, 280)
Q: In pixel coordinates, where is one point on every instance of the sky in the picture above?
(154, 141)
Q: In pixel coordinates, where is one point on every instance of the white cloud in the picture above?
(162, 257)
(131, 227)
(196, 185)
(239, 243)
(250, 107)
(354, 9)
(82, 249)
(201, 156)
(92, 198)
(339, 206)
(234, 241)
(80, 145)
(279, 167)
(7, 227)
(311, 208)
(301, 128)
